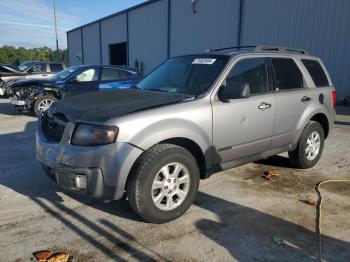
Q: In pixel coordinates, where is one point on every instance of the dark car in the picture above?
(38, 95)
(28, 70)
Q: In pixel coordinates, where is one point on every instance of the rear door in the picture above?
(86, 80)
(243, 127)
(292, 99)
(117, 78)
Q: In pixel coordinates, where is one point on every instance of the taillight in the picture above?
(334, 98)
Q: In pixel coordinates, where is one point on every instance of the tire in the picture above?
(39, 102)
(149, 170)
(299, 157)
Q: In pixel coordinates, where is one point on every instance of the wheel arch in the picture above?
(324, 122)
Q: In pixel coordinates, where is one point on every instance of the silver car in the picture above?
(191, 117)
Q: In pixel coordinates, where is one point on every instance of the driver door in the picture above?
(85, 80)
(243, 127)
(38, 71)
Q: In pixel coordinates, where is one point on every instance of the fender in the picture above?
(306, 117)
(173, 128)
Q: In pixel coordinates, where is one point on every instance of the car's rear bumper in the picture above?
(105, 168)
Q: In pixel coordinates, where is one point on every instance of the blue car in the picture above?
(38, 95)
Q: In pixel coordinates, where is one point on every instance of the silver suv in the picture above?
(191, 117)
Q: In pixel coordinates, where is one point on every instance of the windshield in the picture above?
(192, 75)
(24, 66)
(65, 73)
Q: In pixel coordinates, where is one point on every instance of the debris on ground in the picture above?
(277, 240)
(43, 256)
(269, 175)
(309, 201)
(49, 256)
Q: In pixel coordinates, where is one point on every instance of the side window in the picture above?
(253, 72)
(56, 67)
(110, 74)
(87, 75)
(316, 72)
(39, 68)
(287, 74)
(126, 75)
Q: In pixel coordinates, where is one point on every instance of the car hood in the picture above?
(6, 70)
(23, 84)
(101, 106)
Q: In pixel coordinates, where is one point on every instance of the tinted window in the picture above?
(39, 68)
(56, 67)
(126, 74)
(192, 75)
(253, 72)
(287, 74)
(87, 75)
(316, 72)
(110, 74)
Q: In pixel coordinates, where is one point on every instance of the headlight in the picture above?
(93, 135)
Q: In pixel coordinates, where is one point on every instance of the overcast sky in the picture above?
(30, 23)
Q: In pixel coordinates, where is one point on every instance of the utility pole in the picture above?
(54, 14)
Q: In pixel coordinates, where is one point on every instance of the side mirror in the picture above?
(73, 80)
(234, 90)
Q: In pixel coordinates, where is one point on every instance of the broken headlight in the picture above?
(94, 135)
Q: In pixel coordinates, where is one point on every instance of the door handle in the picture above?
(305, 99)
(263, 106)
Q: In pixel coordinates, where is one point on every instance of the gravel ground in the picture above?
(234, 217)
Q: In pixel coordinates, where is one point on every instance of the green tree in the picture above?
(12, 55)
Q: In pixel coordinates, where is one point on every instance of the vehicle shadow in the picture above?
(277, 161)
(245, 232)
(7, 109)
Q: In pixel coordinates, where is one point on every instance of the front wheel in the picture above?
(164, 183)
(43, 103)
(310, 146)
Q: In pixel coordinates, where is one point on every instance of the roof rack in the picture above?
(262, 48)
(231, 47)
(279, 49)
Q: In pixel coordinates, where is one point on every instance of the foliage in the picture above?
(13, 55)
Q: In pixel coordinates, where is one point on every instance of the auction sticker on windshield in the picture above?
(204, 61)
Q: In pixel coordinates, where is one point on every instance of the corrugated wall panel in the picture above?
(91, 39)
(113, 31)
(74, 47)
(215, 25)
(148, 35)
(322, 27)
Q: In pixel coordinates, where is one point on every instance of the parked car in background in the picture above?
(27, 70)
(191, 117)
(38, 95)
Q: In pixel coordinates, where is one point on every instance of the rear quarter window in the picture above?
(316, 72)
(56, 67)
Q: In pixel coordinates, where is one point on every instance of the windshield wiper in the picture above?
(156, 89)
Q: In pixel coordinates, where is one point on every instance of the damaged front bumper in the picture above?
(95, 171)
(2, 91)
(16, 102)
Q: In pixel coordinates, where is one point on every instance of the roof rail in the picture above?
(231, 47)
(279, 49)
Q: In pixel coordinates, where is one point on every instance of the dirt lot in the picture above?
(234, 218)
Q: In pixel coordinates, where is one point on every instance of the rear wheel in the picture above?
(43, 103)
(164, 183)
(310, 146)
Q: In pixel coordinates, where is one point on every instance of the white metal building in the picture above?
(157, 29)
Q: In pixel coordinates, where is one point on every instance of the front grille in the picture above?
(51, 130)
